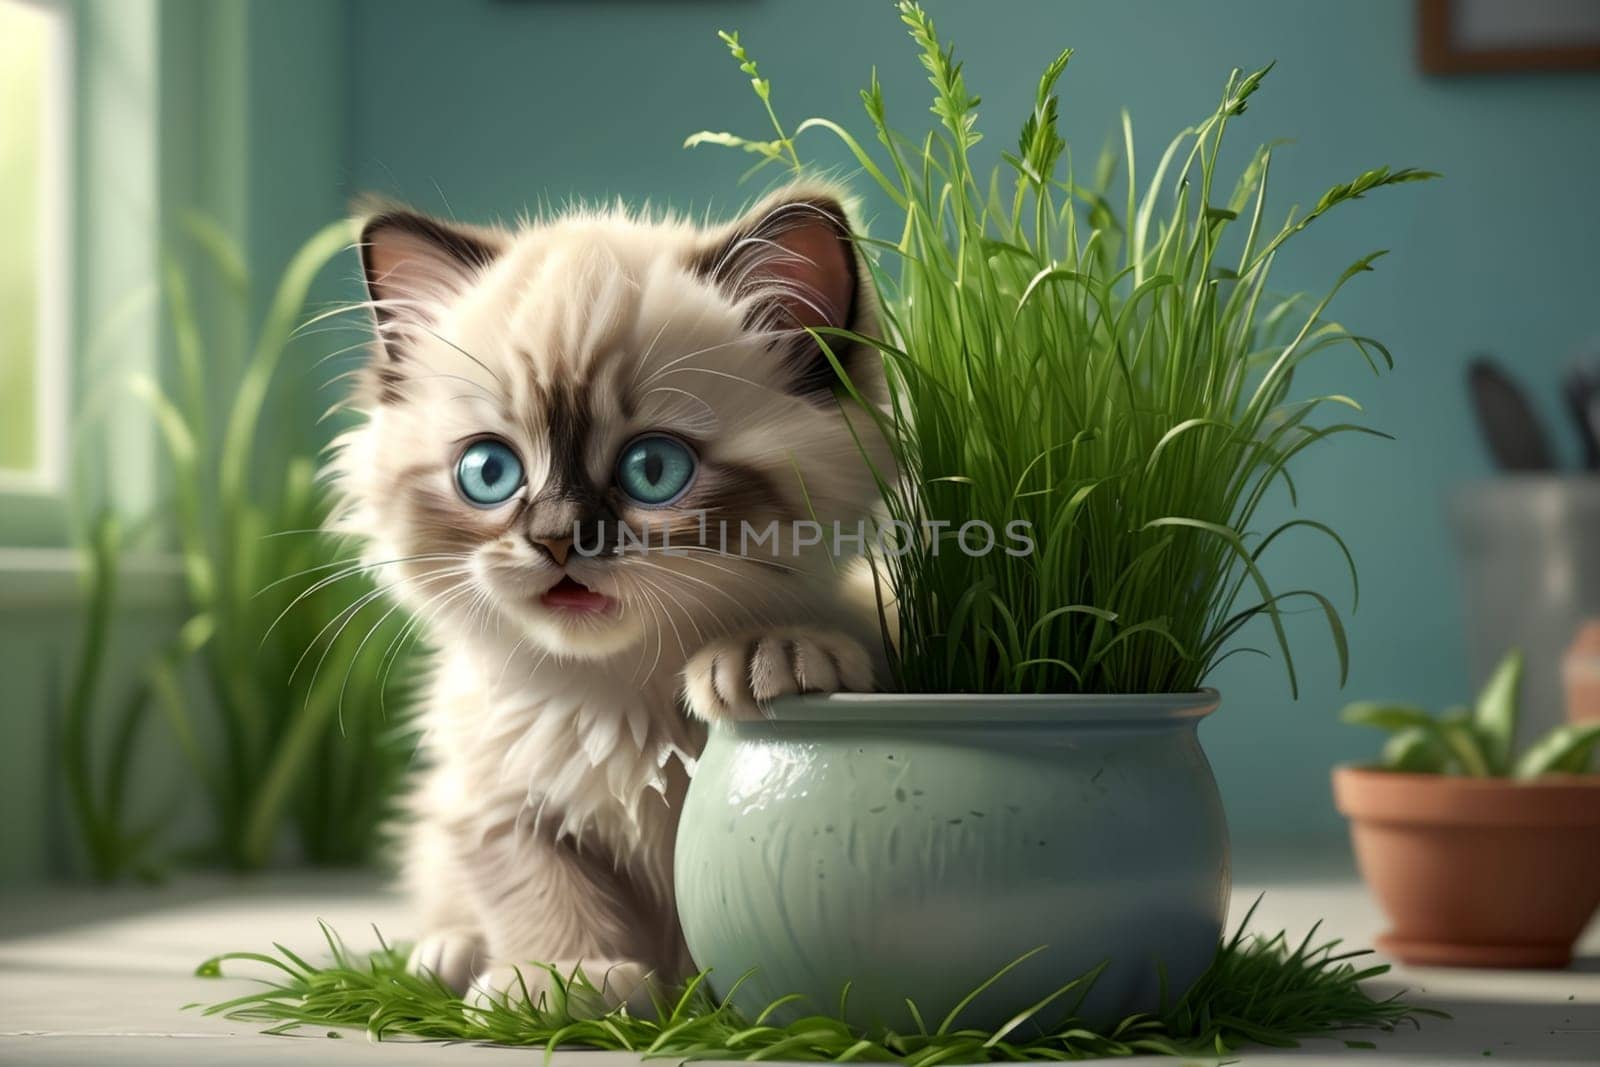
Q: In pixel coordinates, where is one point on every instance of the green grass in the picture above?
(1259, 990)
(1101, 359)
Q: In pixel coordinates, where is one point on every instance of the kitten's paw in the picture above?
(452, 955)
(734, 678)
(611, 984)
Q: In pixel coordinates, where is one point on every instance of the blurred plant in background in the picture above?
(284, 699)
(1479, 742)
(114, 841)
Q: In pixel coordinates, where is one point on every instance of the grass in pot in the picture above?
(1107, 376)
(1481, 857)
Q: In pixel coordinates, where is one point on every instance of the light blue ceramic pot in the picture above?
(915, 845)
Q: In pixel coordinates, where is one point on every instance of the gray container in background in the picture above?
(1530, 557)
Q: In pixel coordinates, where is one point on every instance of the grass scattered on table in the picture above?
(1259, 990)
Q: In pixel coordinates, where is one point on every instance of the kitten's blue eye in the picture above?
(655, 469)
(489, 473)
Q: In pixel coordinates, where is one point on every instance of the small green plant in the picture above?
(300, 694)
(1259, 990)
(115, 841)
(1110, 369)
(105, 730)
(1477, 742)
(299, 719)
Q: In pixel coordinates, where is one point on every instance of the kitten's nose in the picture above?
(558, 547)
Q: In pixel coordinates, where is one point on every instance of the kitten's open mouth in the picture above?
(569, 594)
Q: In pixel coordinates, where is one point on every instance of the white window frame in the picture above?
(53, 337)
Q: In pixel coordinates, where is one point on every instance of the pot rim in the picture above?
(1466, 781)
(989, 709)
(1366, 794)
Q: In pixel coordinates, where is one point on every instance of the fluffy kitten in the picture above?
(533, 386)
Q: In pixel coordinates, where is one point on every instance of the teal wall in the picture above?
(487, 106)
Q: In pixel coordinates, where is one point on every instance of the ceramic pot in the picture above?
(1476, 872)
(915, 845)
(1530, 556)
(1580, 671)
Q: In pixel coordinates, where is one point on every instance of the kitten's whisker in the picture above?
(480, 609)
(351, 561)
(670, 604)
(788, 595)
(356, 566)
(770, 564)
(501, 677)
(391, 656)
(688, 616)
(335, 354)
(676, 360)
(432, 608)
(654, 663)
(410, 632)
(676, 633)
(677, 574)
(487, 369)
(710, 412)
(762, 386)
(737, 604)
(698, 554)
(448, 375)
(699, 319)
(323, 583)
(649, 350)
(355, 657)
(344, 617)
(414, 626)
(660, 632)
(320, 584)
(334, 312)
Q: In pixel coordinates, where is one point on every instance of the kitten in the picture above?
(527, 390)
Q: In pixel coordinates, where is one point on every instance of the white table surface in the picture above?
(98, 976)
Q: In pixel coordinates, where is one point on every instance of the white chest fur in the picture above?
(583, 750)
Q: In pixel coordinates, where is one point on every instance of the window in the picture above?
(34, 195)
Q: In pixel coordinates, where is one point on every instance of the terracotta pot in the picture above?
(1476, 872)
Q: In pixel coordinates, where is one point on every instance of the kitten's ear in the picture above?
(793, 259)
(413, 264)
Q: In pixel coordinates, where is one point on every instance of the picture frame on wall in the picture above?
(1503, 36)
